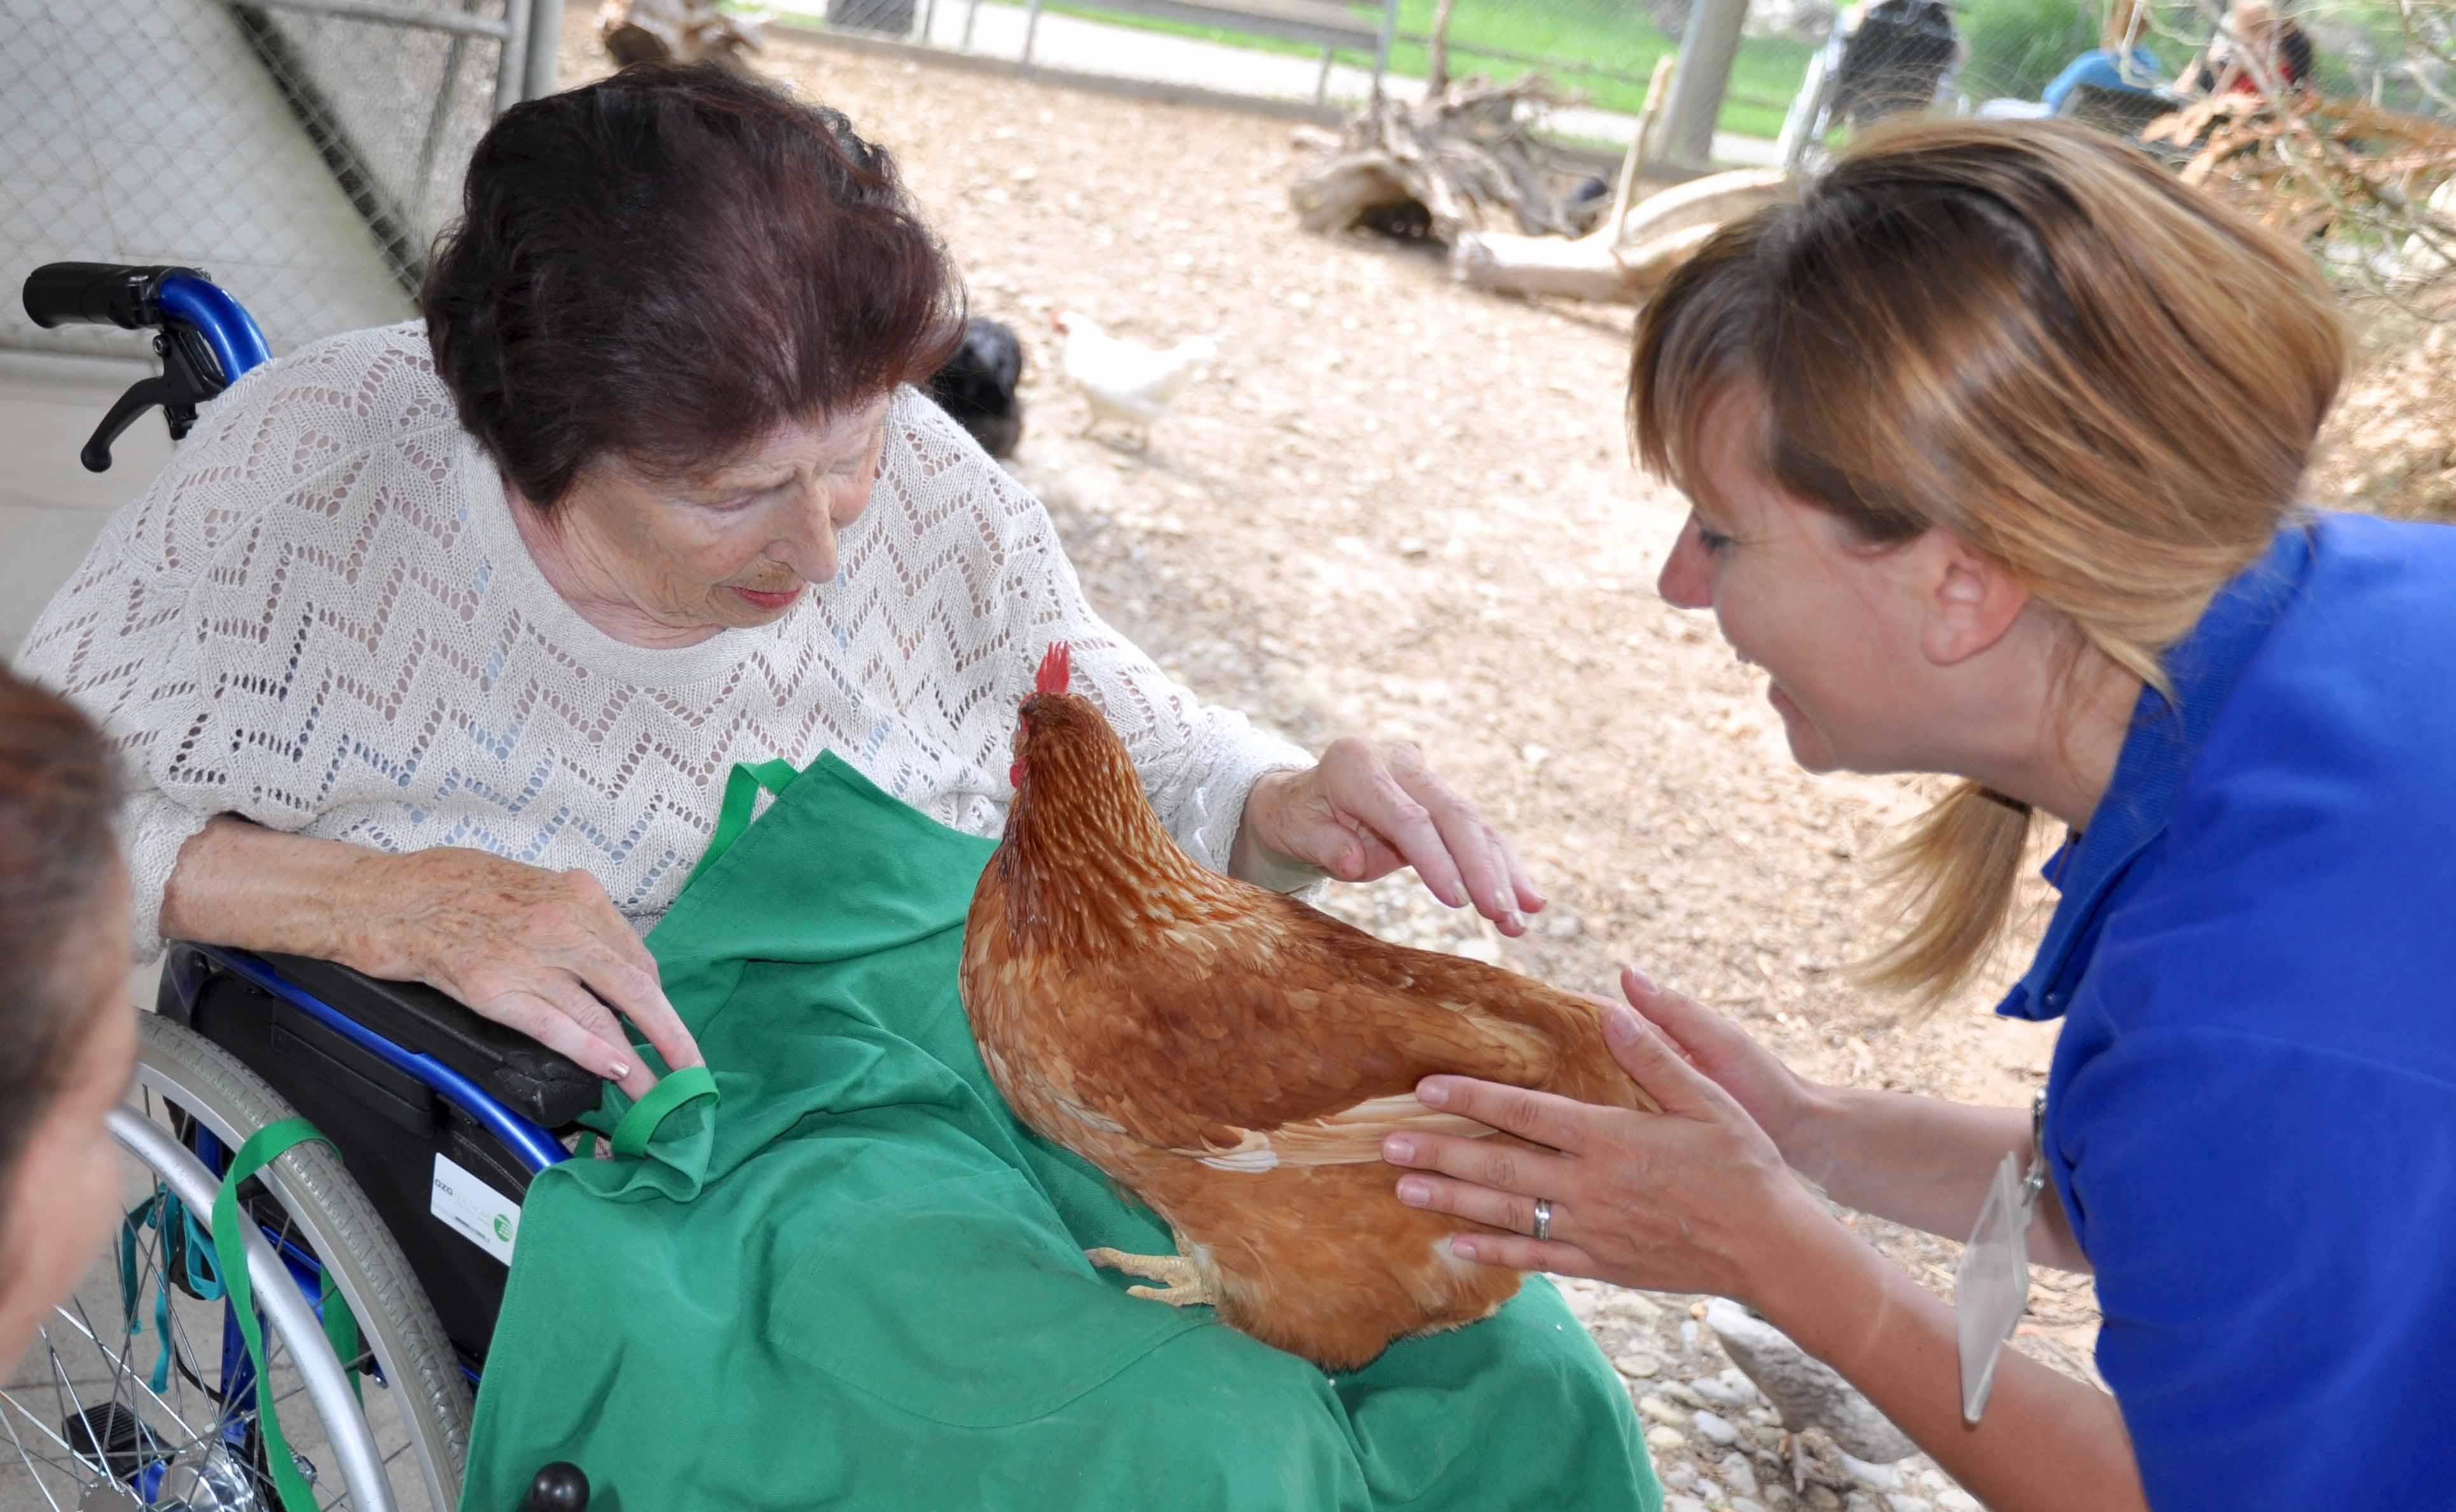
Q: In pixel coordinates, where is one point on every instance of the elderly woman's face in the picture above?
(736, 547)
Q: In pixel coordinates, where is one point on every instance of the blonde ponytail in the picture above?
(1952, 879)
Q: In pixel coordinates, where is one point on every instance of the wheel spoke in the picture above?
(180, 1072)
(121, 1364)
(39, 1426)
(61, 1381)
(27, 1458)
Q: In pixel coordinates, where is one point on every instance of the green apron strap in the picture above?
(262, 1148)
(741, 795)
(639, 1126)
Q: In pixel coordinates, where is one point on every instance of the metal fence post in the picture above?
(509, 70)
(1700, 79)
(545, 40)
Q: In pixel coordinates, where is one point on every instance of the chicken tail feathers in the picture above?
(1056, 669)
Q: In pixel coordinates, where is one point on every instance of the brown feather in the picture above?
(1235, 1057)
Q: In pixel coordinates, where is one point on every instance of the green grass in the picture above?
(1581, 33)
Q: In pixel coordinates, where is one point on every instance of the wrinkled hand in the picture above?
(1696, 1198)
(1365, 809)
(544, 953)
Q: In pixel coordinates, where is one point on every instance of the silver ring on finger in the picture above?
(1543, 1218)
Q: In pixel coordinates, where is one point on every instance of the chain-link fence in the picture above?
(1605, 50)
(304, 152)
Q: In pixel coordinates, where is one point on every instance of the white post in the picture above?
(545, 39)
(511, 67)
(1701, 79)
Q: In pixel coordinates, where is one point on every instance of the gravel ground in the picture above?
(2392, 444)
(1400, 507)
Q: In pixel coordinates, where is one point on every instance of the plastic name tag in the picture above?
(1992, 1287)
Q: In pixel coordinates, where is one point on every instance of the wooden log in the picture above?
(1654, 239)
(1646, 266)
(1710, 200)
(1576, 268)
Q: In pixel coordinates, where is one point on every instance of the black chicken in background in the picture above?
(1585, 206)
(977, 386)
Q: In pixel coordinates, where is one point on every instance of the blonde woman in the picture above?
(2036, 525)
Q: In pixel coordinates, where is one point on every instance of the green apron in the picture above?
(858, 1281)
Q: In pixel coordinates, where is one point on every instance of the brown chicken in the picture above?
(1234, 1058)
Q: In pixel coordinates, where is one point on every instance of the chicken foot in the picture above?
(1185, 1285)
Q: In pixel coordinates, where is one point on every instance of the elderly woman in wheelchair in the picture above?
(433, 648)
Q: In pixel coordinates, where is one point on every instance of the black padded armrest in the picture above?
(534, 1081)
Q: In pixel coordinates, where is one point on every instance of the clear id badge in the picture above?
(1992, 1285)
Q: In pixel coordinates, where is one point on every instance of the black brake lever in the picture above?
(189, 378)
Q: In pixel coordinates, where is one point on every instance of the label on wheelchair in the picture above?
(481, 1214)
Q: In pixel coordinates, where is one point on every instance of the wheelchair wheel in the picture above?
(140, 1395)
(1800, 147)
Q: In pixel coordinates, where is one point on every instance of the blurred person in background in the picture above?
(2256, 50)
(2121, 60)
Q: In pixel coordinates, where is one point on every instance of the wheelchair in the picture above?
(437, 1121)
(1901, 57)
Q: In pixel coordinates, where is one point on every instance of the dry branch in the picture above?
(2320, 168)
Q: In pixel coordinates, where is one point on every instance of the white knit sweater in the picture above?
(321, 617)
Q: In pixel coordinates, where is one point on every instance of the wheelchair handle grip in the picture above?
(97, 294)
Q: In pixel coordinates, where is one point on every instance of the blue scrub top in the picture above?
(2251, 1114)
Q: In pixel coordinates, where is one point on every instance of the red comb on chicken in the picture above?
(1056, 669)
(1234, 1058)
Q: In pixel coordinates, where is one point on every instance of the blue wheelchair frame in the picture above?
(200, 323)
(238, 345)
(534, 1146)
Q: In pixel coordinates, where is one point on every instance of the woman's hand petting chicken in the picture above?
(1364, 810)
(1692, 1199)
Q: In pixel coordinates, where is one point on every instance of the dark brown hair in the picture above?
(2030, 335)
(59, 791)
(666, 264)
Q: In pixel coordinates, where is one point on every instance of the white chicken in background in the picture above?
(1125, 380)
